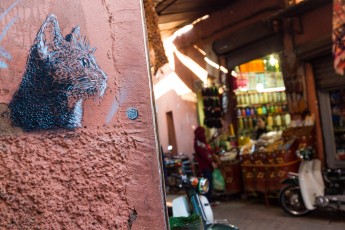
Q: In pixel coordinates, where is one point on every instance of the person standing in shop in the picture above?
(204, 156)
(261, 127)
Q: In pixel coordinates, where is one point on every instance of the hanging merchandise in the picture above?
(212, 107)
(339, 35)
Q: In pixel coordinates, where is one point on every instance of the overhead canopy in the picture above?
(174, 14)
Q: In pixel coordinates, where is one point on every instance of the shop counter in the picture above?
(233, 176)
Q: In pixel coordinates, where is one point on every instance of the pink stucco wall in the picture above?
(179, 97)
(105, 174)
(185, 121)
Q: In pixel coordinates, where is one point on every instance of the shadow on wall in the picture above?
(187, 75)
(5, 121)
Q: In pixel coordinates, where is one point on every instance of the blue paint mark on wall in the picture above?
(3, 52)
(3, 65)
(115, 107)
(3, 14)
(7, 27)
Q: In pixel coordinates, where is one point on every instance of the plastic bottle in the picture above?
(259, 111)
(239, 112)
(272, 109)
(277, 109)
(248, 112)
(243, 112)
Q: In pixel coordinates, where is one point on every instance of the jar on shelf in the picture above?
(259, 111)
(278, 120)
(239, 112)
(261, 98)
(287, 119)
(252, 98)
(283, 96)
(239, 99)
(252, 112)
(245, 123)
(250, 123)
(247, 99)
(269, 97)
(240, 123)
(256, 98)
(278, 95)
(243, 112)
(265, 98)
(270, 121)
(272, 109)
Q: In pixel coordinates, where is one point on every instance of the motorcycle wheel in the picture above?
(292, 202)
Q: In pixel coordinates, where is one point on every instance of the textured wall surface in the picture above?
(104, 174)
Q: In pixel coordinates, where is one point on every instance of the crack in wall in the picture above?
(132, 217)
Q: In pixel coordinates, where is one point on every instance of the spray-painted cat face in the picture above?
(72, 66)
(60, 73)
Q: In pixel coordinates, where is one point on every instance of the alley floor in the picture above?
(253, 214)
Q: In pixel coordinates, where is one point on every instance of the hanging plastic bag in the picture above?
(218, 180)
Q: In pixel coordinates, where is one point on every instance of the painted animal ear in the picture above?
(74, 35)
(49, 36)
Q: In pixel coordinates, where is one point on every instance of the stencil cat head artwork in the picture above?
(61, 72)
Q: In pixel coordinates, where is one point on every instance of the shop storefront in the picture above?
(331, 94)
(260, 93)
(261, 87)
(275, 70)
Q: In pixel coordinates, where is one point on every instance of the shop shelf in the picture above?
(261, 104)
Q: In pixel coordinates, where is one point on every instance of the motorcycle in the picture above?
(175, 165)
(195, 203)
(311, 188)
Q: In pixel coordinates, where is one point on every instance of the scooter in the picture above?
(195, 203)
(307, 190)
(175, 165)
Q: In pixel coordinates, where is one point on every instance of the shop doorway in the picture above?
(171, 132)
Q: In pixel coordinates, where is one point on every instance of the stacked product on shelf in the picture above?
(252, 104)
(260, 92)
(212, 107)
